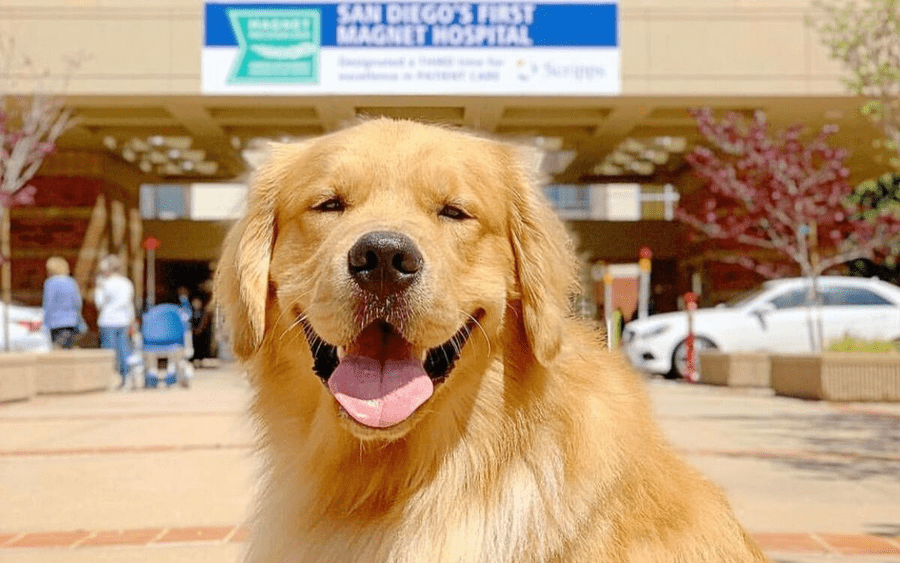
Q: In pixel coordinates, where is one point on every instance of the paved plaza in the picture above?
(168, 475)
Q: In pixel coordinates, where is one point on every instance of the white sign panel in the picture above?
(418, 48)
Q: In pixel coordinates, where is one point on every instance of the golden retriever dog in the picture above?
(399, 293)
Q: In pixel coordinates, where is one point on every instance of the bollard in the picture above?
(612, 335)
(644, 263)
(690, 305)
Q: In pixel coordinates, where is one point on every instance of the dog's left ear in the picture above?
(546, 268)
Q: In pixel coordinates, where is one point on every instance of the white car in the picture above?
(779, 317)
(25, 329)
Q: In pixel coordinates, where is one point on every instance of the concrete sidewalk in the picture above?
(813, 481)
(167, 475)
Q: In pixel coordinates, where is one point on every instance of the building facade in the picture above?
(145, 117)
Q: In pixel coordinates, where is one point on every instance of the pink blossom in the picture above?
(762, 187)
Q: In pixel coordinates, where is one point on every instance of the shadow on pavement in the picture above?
(837, 445)
(883, 529)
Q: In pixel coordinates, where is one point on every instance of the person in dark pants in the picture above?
(201, 326)
(61, 303)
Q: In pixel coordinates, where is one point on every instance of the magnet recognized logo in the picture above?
(276, 46)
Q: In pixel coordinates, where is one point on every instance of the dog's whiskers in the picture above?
(484, 333)
(285, 310)
(458, 341)
(301, 318)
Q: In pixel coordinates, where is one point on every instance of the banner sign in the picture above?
(412, 48)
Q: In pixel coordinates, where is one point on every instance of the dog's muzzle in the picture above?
(380, 379)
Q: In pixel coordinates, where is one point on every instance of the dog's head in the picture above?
(386, 254)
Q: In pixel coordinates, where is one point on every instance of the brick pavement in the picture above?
(822, 543)
(166, 475)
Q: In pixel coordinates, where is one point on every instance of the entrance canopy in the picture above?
(588, 140)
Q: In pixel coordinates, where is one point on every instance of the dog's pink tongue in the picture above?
(379, 382)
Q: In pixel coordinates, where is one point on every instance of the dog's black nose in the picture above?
(384, 262)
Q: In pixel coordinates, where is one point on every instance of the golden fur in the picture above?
(539, 447)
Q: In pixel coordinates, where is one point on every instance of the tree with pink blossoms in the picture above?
(31, 120)
(782, 192)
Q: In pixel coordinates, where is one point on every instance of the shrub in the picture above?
(848, 344)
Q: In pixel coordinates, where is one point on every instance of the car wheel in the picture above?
(679, 356)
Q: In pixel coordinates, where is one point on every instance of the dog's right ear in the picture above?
(242, 276)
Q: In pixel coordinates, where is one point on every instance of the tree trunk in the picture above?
(5, 274)
(819, 328)
(814, 262)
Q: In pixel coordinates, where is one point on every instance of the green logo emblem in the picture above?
(276, 46)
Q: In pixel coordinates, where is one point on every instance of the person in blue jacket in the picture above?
(62, 303)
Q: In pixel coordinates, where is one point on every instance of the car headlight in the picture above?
(655, 331)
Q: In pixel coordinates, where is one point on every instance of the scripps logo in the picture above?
(575, 72)
(552, 70)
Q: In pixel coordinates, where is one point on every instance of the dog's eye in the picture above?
(331, 204)
(453, 212)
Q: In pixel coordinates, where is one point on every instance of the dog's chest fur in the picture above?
(459, 514)
(446, 521)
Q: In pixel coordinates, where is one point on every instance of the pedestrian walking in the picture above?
(61, 303)
(114, 297)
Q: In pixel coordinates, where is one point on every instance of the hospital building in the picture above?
(175, 100)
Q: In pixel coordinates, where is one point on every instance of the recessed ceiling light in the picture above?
(671, 144)
(655, 156)
(139, 145)
(620, 158)
(631, 145)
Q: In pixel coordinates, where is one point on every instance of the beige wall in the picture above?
(669, 47)
(723, 47)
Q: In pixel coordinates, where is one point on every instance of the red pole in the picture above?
(690, 305)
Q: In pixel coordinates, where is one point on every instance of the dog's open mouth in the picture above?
(380, 379)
